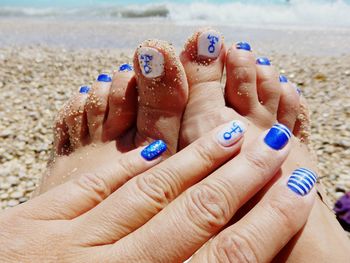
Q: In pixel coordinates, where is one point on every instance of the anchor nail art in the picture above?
(231, 133)
(283, 79)
(104, 78)
(263, 61)
(125, 67)
(151, 62)
(209, 44)
(277, 137)
(302, 181)
(154, 150)
(84, 89)
(243, 46)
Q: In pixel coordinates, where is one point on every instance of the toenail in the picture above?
(243, 46)
(151, 62)
(302, 181)
(298, 90)
(283, 79)
(154, 150)
(278, 136)
(125, 67)
(104, 78)
(84, 89)
(231, 133)
(209, 44)
(263, 61)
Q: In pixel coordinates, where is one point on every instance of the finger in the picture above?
(142, 198)
(204, 209)
(266, 229)
(85, 192)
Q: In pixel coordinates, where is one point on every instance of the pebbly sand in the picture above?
(44, 63)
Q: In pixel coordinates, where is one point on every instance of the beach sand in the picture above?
(44, 62)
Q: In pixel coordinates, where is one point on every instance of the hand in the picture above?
(130, 212)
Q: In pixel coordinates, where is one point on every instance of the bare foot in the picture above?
(254, 93)
(119, 114)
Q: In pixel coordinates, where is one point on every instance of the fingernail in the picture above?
(104, 78)
(209, 44)
(263, 61)
(277, 137)
(151, 62)
(125, 67)
(243, 45)
(154, 150)
(231, 133)
(283, 79)
(302, 181)
(84, 89)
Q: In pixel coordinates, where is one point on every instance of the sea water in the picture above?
(327, 13)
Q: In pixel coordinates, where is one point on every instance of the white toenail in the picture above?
(231, 133)
(209, 44)
(151, 62)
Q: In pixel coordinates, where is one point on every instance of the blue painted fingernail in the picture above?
(263, 61)
(243, 45)
(104, 78)
(278, 136)
(84, 89)
(302, 181)
(283, 79)
(154, 150)
(125, 67)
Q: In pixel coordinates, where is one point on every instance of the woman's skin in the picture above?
(121, 213)
(252, 90)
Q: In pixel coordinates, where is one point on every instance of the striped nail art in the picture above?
(154, 150)
(302, 181)
(278, 136)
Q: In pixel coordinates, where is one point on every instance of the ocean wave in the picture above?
(294, 13)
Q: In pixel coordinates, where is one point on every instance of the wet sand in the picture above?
(44, 62)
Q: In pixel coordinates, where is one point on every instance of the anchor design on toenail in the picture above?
(212, 40)
(146, 63)
(234, 129)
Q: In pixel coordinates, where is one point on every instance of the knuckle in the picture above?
(285, 210)
(208, 206)
(258, 161)
(126, 167)
(94, 184)
(156, 188)
(233, 247)
(204, 153)
(96, 104)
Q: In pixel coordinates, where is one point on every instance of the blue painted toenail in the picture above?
(243, 45)
(278, 136)
(125, 67)
(302, 181)
(263, 61)
(298, 90)
(84, 89)
(154, 150)
(104, 78)
(283, 79)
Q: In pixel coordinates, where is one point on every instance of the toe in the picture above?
(289, 104)
(61, 135)
(122, 103)
(268, 85)
(96, 107)
(76, 119)
(203, 58)
(163, 93)
(241, 89)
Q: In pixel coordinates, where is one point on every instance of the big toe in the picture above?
(163, 93)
